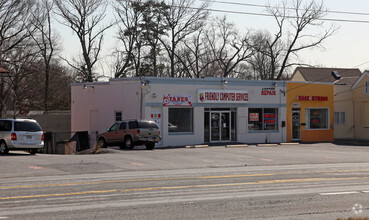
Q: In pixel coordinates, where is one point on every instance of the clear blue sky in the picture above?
(346, 49)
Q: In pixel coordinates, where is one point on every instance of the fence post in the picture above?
(53, 143)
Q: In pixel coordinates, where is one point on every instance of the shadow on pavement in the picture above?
(350, 142)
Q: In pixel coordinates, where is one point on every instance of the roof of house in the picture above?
(311, 74)
(357, 82)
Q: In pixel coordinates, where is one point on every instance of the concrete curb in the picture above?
(267, 145)
(236, 145)
(294, 143)
(197, 146)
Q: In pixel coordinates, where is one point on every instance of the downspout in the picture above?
(141, 101)
(280, 112)
(145, 89)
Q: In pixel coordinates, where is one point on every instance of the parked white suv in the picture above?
(20, 134)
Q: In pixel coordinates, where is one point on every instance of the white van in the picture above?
(20, 134)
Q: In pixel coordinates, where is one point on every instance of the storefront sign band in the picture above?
(312, 98)
(223, 96)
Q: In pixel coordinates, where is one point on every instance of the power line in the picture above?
(265, 6)
(264, 14)
(270, 15)
(361, 64)
(306, 84)
(350, 88)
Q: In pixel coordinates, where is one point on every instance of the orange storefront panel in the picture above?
(310, 112)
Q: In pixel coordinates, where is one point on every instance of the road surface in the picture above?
(314, 188)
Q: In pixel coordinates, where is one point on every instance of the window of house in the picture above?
(340, 117)
(180, 120)
(263, 119)
(118, 116)
(366, 87)
(317, 118)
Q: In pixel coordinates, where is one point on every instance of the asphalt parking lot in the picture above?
(139, 159)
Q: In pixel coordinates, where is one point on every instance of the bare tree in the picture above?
(22, 63)
(229, 48)
(295, 33)
(59, 86)
(20, 26)
(195, 57)
(14, 38)
(128, 18)
(182, 20)
(45, 40)
(154, 28)
(83, 17)
(140, 24)
(260, 63)
(14, 21)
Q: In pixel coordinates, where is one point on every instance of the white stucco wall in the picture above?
(186, 87)
(93, 109)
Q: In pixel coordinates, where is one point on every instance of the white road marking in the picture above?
(338, 193)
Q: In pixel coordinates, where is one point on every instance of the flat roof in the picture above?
(190, 81)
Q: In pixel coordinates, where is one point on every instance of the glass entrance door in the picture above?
(220, 126)
(225, 126)
(296, 126)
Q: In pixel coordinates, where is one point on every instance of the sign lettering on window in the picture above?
(177, 100)
(254, 117)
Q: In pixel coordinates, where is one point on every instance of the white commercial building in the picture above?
(188, 111)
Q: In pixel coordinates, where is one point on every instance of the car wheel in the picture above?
(129, 143)
(3, 148)
(32, 151)
(102, 143)
(150, 145)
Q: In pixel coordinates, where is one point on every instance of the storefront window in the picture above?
(270, 119)
(180, 120)
(263, 119)
(317, 118)
(255, 119)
